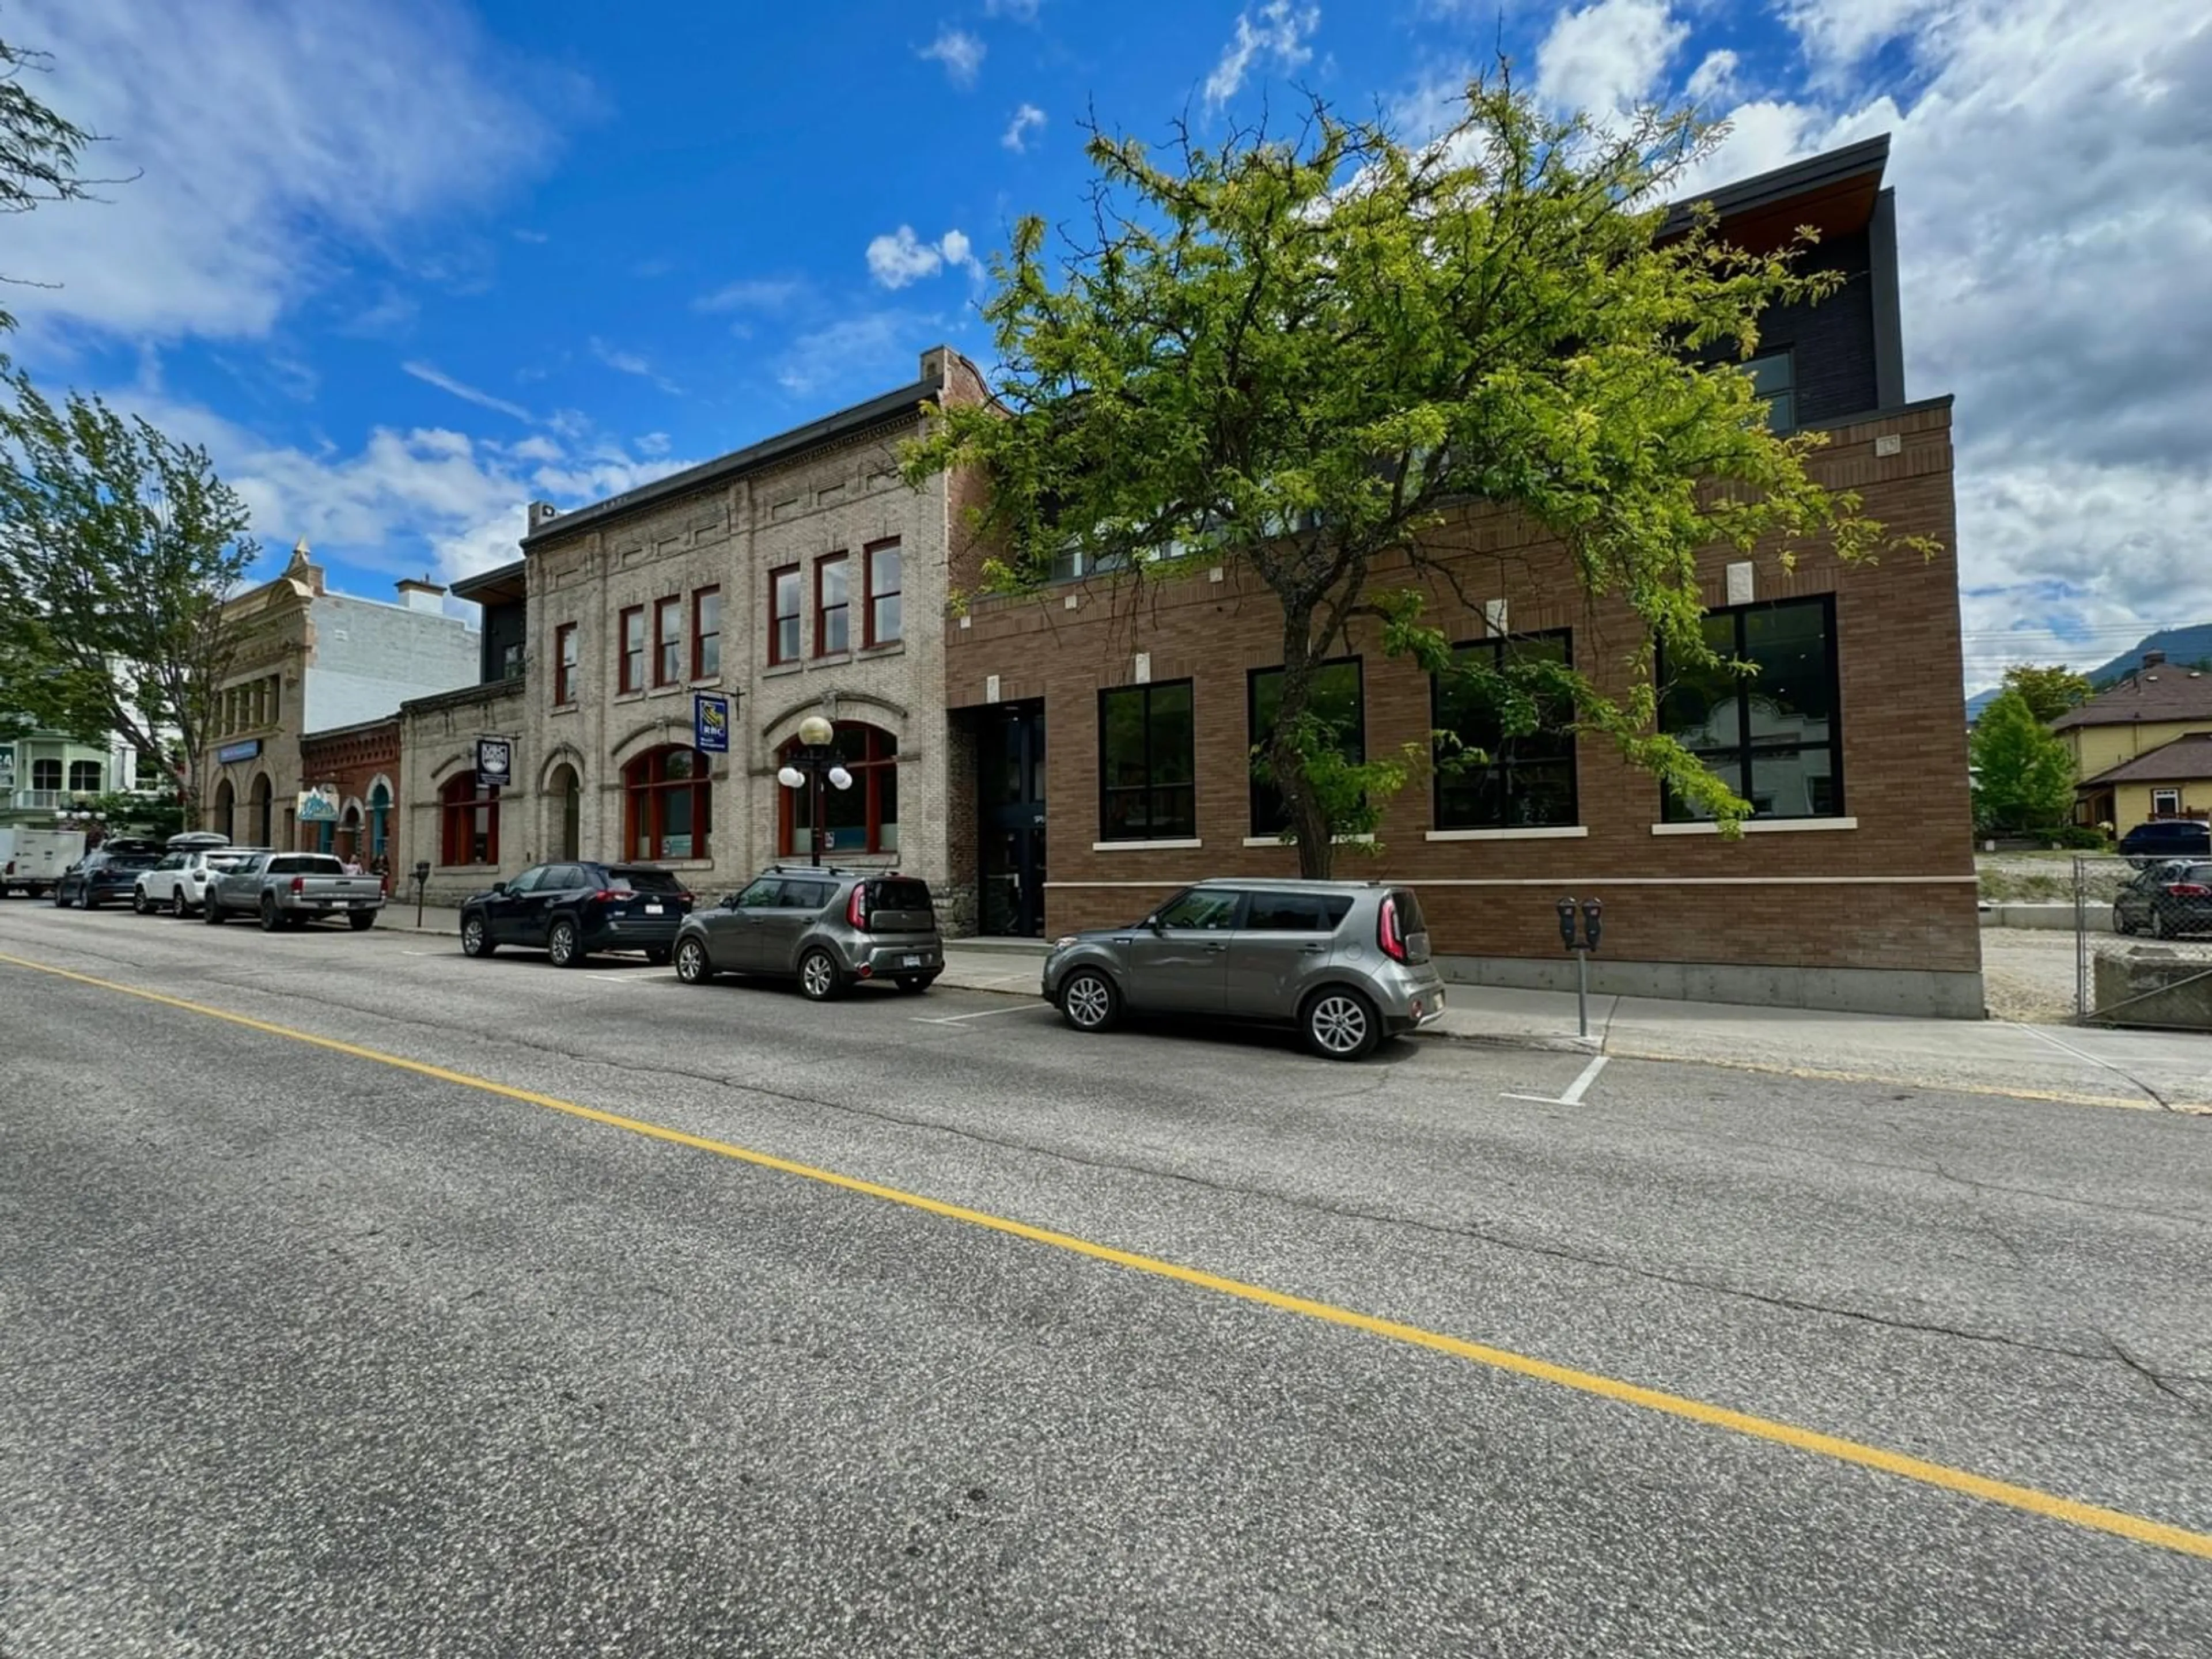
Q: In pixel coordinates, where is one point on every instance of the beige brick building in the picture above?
(799, 576)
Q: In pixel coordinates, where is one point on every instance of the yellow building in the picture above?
(2143, 749)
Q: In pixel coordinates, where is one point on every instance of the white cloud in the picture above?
(1713, 78)
(1838, 34)
(651, 443)
(879, 346)
(1028, 119)
(751, 293)
(960, 53)
(466, 392)
(1022, 11)
(1607, 57)
(272, 150)
(632, 362)
(2051, 280)
(901, 258)
(533, 237)
(1280, 34)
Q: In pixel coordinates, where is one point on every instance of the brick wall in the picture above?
(1895, 891)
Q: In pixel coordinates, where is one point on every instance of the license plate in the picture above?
(652, 909)
(1440, 999)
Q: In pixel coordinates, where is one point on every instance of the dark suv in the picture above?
(109, 872)
(570, 911)
(827, 928)
(2168, 838)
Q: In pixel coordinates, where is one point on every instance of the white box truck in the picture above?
(32, 860)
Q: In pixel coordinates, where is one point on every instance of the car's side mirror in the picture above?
(1155, 924)
(498, 887)
(729, 900)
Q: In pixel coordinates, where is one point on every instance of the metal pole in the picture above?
(1582, 988)
(418, 907)
(2080, 938)
(814, 784)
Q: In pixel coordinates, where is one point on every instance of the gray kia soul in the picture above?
(826, 927)
(1345, 962)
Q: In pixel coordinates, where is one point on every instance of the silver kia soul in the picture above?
(1346, 962)
(828, 928)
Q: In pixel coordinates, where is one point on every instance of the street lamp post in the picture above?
(815, 760)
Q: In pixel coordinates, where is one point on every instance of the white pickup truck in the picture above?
(290, 889)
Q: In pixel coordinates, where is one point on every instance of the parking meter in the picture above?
(1567, 923)
(422, 881)
(1593, 920)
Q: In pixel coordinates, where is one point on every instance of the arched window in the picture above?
(380, 819)
(468, 821)
(260, 812)
(568, 792)
(226, 807)
(861, 819)
(667, 804)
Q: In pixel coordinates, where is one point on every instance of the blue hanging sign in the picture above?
(711, 722)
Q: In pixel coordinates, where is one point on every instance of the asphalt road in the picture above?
(322, 1348)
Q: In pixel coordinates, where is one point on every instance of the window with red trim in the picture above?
(861, 819)
(633, 648)
(833, 608)
(706, 634)
(564, 663)
(783, 615)
(668, 804)
(468, 821)
(668, 640)
(883, 623)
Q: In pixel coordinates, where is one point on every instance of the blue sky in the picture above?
(403, 266)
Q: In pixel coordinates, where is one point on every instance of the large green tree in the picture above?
(2050, 690)
(118, 546)
(1308, 354)
(2023, 775)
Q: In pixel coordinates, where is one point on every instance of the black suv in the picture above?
(2168, 838)
(571, 910)
(110, 871)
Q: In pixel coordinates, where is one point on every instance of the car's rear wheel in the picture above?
(1340, 1023)
(476, 938)
(819, 977)
(563, 945)
(177, 903)
(362, 920)
(915, 984)
(210, 912)
(2120, 923)
(271, 918)
(657, 955)
(691, 964)
(1089, 1002)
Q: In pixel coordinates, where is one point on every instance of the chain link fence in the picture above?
(2143, 934)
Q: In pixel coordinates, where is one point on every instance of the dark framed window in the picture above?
(633, 649)
(668, 640)
(668, 803)
(1775, 737)
(783, 615)
(468, 821)
(47, 774)
(1774, 378)
(564, 663)
(861, 819)
(1268, 912)
(1338, 700)
(706, 634)
(833, 606)
(885, 623)
(1147, 763)
(84, 776)
(1524, 780)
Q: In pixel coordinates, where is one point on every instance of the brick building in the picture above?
(1110, 725)
(359, 765)
(797, 576)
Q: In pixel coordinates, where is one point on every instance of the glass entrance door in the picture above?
(1011, 817)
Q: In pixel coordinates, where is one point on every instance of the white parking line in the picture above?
(1575, 1090)
(984, 1013)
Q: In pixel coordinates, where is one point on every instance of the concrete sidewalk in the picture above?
(2149, 1069)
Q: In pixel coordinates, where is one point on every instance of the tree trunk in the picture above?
(1308, 822)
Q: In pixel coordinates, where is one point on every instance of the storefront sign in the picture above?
(318, 805)
(231, 753)
(711, 723)
(494, 763)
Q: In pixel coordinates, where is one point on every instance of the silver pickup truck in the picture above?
(290, 889)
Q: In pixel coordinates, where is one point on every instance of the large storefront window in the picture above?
(1338, 701)
(861, 819)
(1776, 736)
(468, 821)
(1523, 781)
(669, 805)
(1147, 763)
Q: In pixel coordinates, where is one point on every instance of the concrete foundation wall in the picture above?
(1920, 992)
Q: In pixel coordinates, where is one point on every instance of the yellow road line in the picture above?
(2029, 1499)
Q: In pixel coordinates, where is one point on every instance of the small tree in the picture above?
(39, 150)
(1310, 356)
(118, 546)
(2023, 775)
(2050, 690)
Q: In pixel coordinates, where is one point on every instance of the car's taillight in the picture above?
(2190, 890)
(606, 894)
(1387, 936)
(684, 897)
(299, 884)
(856, 910)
